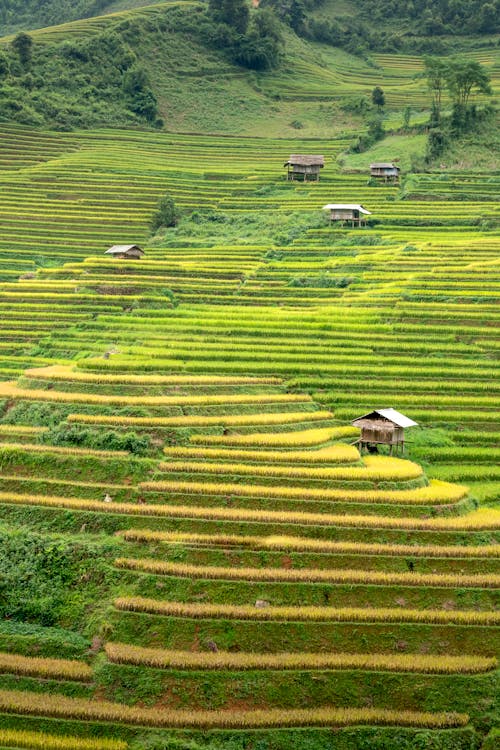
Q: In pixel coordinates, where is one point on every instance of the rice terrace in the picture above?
(249, 394)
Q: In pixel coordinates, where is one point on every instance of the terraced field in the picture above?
(183, 422)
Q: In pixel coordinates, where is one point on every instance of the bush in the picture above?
(165, 215)
(97, 439)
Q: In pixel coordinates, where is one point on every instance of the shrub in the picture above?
(165, 215)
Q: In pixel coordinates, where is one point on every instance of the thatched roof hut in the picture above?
(385, 170)
(305, 166)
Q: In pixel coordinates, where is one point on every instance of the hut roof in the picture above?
(383, 165)
(120, 249)
(391, 414)
(305, 160)
(346, 207)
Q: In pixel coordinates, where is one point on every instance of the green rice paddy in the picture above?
(174, 435)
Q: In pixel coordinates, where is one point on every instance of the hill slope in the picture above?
(181, 506)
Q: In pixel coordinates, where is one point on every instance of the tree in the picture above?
(406, 117)
(260, 48)
(165, 214)
(22, 44)
(297, 16)
(435, 70)
(464, 78)
(234, 13)
(378, 97)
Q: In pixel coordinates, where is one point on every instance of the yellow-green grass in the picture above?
(62, 707)
(302, 544)
(436, 493)
(305, 575)
(123, 653)
(375, 469)
(35, 666)
(482, 519)
(41, 741)
(341, 453)
(205, 611)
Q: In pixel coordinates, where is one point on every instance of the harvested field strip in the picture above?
(123, 653)
(484, 518)
(60, 449)
(10, 390)
(41, 741)
(298, 544)
(376, 468)
(202, 421)
(304, 575)
(34, 704)
(331, 454)
(62, 372)
(19, 429)
(305, 614)
(59, 669)
(437, 493)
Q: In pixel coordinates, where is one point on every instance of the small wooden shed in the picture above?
(125, 251)
(383, 427)
(305, 167)
(385, 170)
(353, 212)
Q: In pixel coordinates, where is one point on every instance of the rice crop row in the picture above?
(303, 544)
(123, 653)
(36, 666)
(201, 421)
(64, 450)
(304, 613)
(436, 493)
(299, 438)
(41, 741)
(331, 454)
(304, 575)
(376, 468)
(62, 707)
(484, 518)
(10, 390)
(63, 372)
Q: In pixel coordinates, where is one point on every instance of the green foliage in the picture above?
(46, 580)
(260, 48)
(165, 215)
(97, 439)
(234, 13)
(22, 45)
(32, 13)
(141, 98)
(378, 97)
(465, 77)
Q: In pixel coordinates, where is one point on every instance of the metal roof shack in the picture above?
(383, 426)
(304, 166)
(125, 251)
(385, 170)
(353, 212)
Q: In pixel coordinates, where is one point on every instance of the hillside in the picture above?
(196, 552)
(18, 15)
(139, 68)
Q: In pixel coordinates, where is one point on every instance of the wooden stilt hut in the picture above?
(305, 167)
(383, 427)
